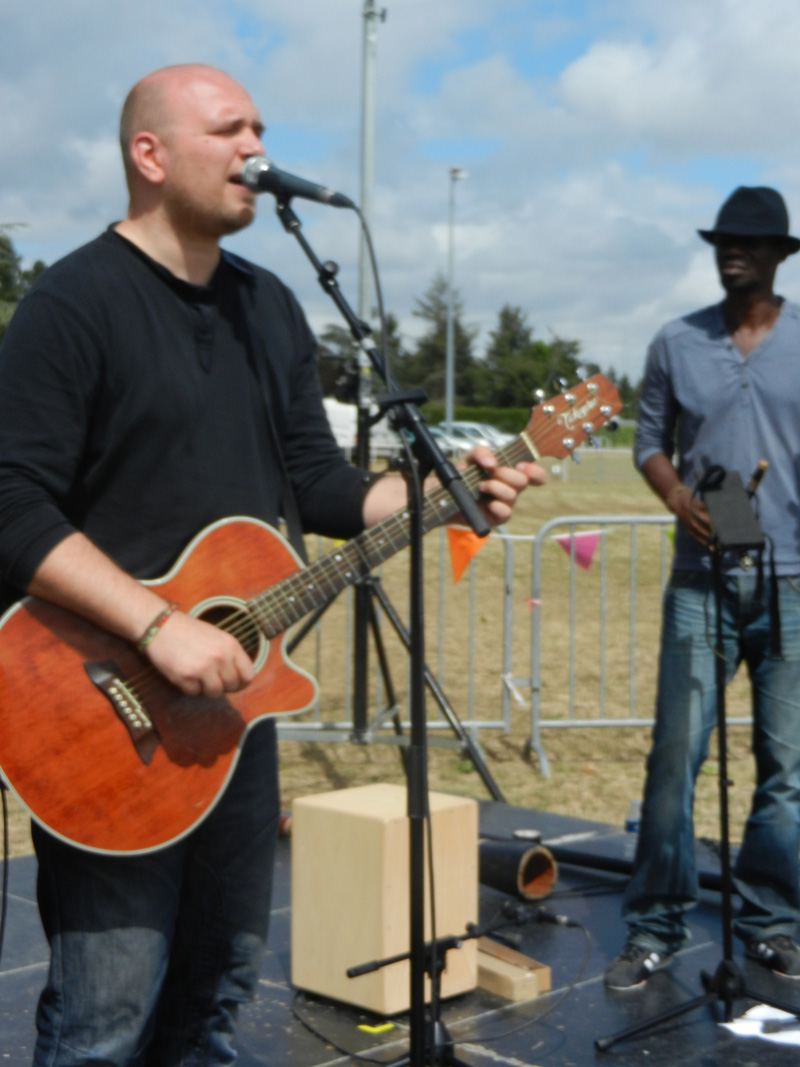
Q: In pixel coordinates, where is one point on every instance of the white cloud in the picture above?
(598, 136)
(720, 77)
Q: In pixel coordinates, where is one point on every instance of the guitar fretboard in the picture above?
(309, 588)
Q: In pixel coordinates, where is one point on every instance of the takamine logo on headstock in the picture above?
(572, 416)
(560, 424)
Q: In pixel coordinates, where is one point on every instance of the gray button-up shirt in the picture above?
(705, 401)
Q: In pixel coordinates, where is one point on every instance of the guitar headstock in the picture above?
(558, 425)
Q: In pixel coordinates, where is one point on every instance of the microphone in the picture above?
(261, 176)
(756, 477)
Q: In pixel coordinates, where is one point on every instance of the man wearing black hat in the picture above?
(721, 387)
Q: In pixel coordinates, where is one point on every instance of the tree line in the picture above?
(513, 366)
(14, 280)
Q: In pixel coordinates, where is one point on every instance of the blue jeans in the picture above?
(151, 955)
(766, 875)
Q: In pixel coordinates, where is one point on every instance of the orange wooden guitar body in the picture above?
(69, 756)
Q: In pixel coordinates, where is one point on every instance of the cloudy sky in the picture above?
(598, 135)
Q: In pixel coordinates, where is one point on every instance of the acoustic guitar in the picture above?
(106, 754)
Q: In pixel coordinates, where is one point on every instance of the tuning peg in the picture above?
(591, 387)
(588, 428)
(548, 409)
(612, 425)
(562, 383)
(575, 457)
(569, 398)
(538, 395)
(582, 373)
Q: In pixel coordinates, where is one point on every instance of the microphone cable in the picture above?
(327, 1040)
(376, 281)
(480, 1038)
(476, 1038)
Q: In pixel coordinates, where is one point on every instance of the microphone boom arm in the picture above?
(406, 414)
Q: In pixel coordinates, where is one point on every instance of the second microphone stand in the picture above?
(735, 530)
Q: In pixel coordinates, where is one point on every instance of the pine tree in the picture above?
(425, 365)
(14, 281)
(516, 365)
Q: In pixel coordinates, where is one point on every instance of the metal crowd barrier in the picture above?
(535, 636)
(618, 599)
(464, 671)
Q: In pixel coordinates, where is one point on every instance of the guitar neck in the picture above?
(312, 587)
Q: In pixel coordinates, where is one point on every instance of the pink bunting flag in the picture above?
(586, 542)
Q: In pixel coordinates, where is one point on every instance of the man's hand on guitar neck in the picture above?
(500, 489)
(504, 484)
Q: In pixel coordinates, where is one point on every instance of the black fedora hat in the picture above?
(753, 212)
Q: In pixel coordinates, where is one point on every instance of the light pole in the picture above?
(369, 48)
(456, 174)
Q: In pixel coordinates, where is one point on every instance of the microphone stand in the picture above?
(736, 529)
(368, 590)
(407, 417)
(439, 1044)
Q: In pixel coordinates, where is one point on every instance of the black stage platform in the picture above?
(486, 1030)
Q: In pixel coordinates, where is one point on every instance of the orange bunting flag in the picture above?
(463, 546)
(585, 544)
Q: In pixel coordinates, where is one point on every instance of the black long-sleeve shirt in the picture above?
(133, 407)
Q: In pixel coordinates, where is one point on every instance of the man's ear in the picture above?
(147, 155)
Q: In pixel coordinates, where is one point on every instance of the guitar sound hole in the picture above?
(236, 621)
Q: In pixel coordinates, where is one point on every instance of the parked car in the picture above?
(500, 436)
(488, 434)
(450, 445)
(464, 439)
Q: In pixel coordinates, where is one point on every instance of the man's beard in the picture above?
(200, 221)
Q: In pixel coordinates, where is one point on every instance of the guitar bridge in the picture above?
(130, 710)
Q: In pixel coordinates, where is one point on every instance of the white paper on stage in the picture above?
(770, 1024)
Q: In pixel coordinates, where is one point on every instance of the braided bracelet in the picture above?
(147, 637)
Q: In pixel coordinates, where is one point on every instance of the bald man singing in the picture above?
(151, 384)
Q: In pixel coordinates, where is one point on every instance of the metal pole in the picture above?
(361, 593)
(455, 175)
(369, 54)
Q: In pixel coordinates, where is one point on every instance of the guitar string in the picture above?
(273, 611)
(243, 622)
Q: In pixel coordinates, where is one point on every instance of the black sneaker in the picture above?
(779, 953)
(633, 966)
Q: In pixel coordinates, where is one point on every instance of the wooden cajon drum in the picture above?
(350, 893)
